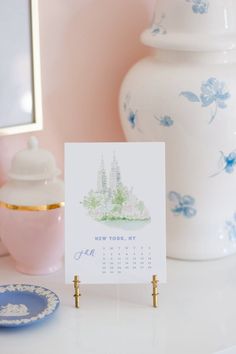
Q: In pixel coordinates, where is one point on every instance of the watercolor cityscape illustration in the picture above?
(112, 201)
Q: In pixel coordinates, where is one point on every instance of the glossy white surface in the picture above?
(231, 350)
(197, 314)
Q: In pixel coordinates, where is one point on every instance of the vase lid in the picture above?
(33, 163)
(193, 25)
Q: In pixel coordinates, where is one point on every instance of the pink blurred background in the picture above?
(87, 46)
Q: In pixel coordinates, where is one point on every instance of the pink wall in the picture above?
(87, 46)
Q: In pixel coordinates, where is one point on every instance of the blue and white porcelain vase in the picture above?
(185, 95)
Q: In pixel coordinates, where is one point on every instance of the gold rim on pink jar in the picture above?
(45, 207)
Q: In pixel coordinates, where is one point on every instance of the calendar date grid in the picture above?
(118, 259)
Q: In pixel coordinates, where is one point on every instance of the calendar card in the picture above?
(115, 212)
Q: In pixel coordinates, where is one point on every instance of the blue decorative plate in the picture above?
(22, 304)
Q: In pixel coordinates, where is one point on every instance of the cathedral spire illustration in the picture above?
(113, 200)
(115, 176)
(102, 178)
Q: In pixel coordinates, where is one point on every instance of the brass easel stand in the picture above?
(155, 290)
(77, 291)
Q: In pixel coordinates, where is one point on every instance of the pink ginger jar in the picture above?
(32, 213)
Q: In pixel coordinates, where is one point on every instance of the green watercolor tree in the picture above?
(120, 197)
(92, 201)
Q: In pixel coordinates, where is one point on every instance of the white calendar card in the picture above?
(115, 223)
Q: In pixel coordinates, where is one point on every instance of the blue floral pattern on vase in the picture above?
(227, 163)
(213, 93)
(230, 226)
(183, 205)
(199, 6)
(132, 116)
(158, 28)
(165, 121)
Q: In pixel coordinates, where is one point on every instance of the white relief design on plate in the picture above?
(11, 310)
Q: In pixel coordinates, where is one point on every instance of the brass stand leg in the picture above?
(155, 291)
(77, 291)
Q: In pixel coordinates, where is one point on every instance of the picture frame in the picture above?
(20, 71)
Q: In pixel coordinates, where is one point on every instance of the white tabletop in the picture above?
(197, 314)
